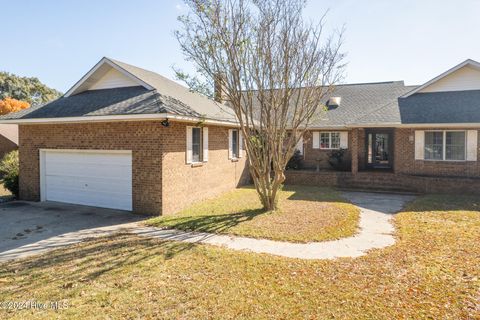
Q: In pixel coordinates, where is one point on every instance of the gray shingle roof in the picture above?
(441, 107)
(166, 97)
(360, 100)
(198, 103)
(361, 104)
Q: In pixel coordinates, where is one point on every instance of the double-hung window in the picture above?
(329, 140)
(235, 144)
(445, 145)
(196, 144)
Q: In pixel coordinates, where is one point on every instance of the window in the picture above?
(196, 144)
(235, 144)
(445, 145)
(455, 145)
(434, 145)
(329, 140)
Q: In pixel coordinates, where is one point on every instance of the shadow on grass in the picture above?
(211, 223)
(88, 261)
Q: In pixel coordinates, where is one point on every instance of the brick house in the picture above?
(127, 138)
(412, 138)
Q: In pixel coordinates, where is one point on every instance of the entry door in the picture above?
(87, 177)
(379, 149)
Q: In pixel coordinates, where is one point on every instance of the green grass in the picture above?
(432, 272)
(306, 214)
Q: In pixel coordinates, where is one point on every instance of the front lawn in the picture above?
(431, 272)
(306, 214)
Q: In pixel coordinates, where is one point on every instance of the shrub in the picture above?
(9, 169)
(338, 159)
(296, 161)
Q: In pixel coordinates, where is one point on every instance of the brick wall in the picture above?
(153, 147)
(143, 138)
(311, 155)
(184, 184)
(405, 162)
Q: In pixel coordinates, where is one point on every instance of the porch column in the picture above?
(354, 133)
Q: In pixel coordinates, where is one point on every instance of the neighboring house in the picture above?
(8, 138)
(127, 138)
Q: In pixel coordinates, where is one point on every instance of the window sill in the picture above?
(234, 159)
(196, 164)
(446, 161)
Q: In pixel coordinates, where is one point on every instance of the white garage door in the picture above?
(93, 178)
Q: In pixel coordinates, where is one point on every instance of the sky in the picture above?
(385, 40)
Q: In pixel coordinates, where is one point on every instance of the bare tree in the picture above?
(275, 68)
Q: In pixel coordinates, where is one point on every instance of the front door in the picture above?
(379, 149)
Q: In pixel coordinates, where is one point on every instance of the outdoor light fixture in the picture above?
(165, 123)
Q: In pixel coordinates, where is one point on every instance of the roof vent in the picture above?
(334, 101)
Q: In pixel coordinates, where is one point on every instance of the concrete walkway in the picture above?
(376, 231)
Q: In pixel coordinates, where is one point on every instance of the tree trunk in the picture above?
(267, 187)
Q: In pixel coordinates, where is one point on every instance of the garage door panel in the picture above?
(95, 178)
(87, 157)
(81, 184)
(110, 172)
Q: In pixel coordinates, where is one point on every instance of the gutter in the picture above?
(110, 118)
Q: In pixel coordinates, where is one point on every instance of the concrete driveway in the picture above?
(28, 228)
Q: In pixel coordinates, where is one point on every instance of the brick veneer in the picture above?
(184, 184)
(405, 163)
(311, 155)
(162, 181)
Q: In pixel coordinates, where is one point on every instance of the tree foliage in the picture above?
(264, 52)
(9, 168)
(26, 89)
(8, 105)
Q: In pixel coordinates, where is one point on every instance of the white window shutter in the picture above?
(299, 145)
(189, 144)
(316, 140)
(419, 145)
(240, 143)
(472, 145)
(230, 146)
(205, 144)
(344, 139)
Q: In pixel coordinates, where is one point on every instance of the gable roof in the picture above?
(468, 62)
(153, 94)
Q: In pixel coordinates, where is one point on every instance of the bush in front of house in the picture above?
(339, 160)
(9, 169)
(296, 161)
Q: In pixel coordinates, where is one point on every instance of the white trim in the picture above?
(205, 144)
(42, 153)
(443, 75)
(472, 145)
(419, 145)
(418, 125)
(329, 140)
(133, 117)
(112, 64)
(189, 145)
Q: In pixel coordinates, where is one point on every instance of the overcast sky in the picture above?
(59, 41)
